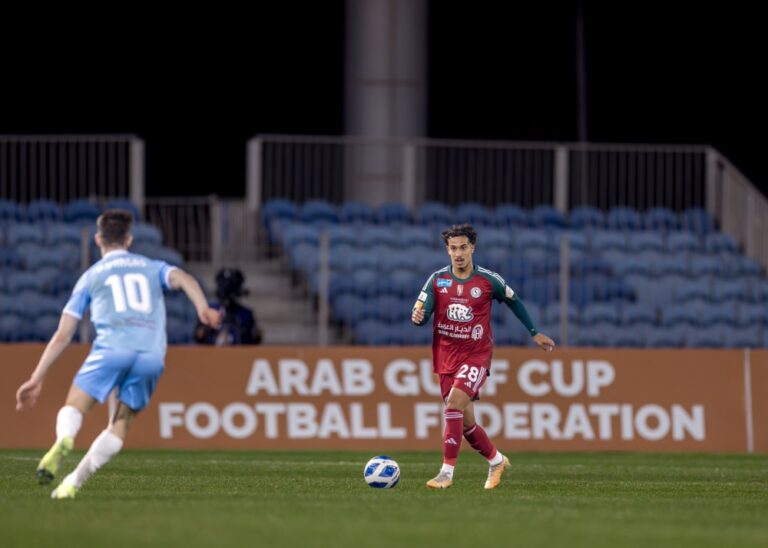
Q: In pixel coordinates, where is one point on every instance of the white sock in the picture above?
(496, 459)
(104, 447)
(448, 469)
(68, 422)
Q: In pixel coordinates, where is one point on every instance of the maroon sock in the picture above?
(454, 422)
(480, 441)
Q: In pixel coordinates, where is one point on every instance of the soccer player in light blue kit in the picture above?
(125, 293)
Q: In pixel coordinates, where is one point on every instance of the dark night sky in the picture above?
(197, 86)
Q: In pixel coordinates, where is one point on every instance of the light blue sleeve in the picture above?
(80, 299)
(165, 271)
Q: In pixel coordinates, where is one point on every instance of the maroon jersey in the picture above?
(462, 309)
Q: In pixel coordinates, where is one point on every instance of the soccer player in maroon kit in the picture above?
(460, 296)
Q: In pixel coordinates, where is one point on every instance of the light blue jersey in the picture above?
(125, 293)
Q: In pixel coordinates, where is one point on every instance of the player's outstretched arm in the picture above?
(178, 279)
(544, 342)
(27, 394)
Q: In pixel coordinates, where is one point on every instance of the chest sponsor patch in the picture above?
(444, 282)
(459, 313)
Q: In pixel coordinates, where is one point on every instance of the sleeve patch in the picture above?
(422, 296)
(508, 292)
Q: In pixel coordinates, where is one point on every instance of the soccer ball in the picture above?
(381, 472)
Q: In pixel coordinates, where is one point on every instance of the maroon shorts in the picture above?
(467, 378)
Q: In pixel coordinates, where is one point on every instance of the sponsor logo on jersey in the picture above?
(459, 290)
(508, 292)
(444, 282)
(443, 290)
(459, 313)
(477, 332)
(422, 296)
(476, 292)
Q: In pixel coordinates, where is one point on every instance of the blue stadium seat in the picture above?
(44, 326)
(630, 264)
(58, 233)
(733, 289)
(415, 236)
(431, 261)
(371, 235)
(10, 305)
(356, 212)
(373, 332)
(600, 312)
(742, 337)
(664, 265)
(145, 233)
(706, 337)
(752, 314)
(666, 337)
(434, 213)
(43, 211)
(608, 240)
(638, 242)
(124, 204)
(577, 240)
(10, 211)
(680, 313)
(553, 312)
(278, 208)
(620, 337)
(24, 233)
(532, 239)
(293, 234)
(508, 215)
(624, 218)
(722, 313)
(704, 265)
(81, 212)
(179, 331)
(475, 214)
(586, 217)
(14, 329)
(588, 265)
(640, 313)
(696, 288)
(661, 219)
(490, 237)
(546, 216)
(717, 242)
(319, 210)
(739, 265)
(418, 335)
(393, 213)
(699, 221)
(683, 242)
(341, 236)
(10, 258)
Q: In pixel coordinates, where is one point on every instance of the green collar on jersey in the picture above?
(462, 280)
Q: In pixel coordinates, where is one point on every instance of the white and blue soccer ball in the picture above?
(381, 472)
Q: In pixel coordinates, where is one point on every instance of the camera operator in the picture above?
(238, 324)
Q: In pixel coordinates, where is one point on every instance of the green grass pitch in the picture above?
(303, 499)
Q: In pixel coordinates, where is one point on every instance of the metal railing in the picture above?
(565, 175)
(65, 167)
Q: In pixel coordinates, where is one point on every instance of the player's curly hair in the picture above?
(460, 230)
(114, 226)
